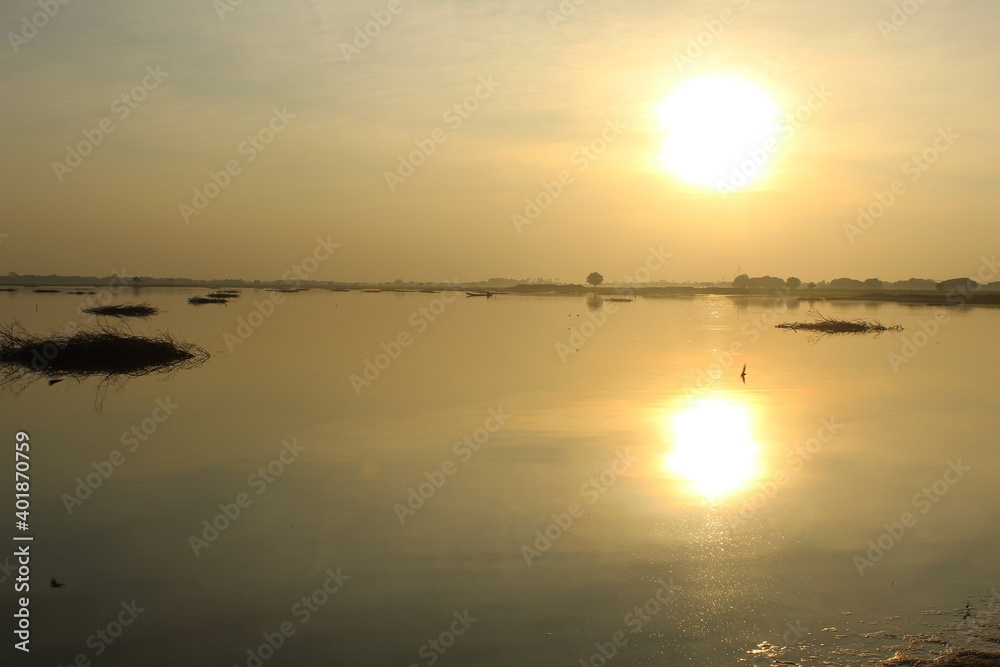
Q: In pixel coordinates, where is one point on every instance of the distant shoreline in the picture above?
(915, 297)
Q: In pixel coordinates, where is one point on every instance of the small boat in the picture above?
(486, 294)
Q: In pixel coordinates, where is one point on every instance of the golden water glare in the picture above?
(713, 447)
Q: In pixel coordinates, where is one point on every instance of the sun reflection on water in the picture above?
(713, 447)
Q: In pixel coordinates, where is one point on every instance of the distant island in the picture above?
(954, 291)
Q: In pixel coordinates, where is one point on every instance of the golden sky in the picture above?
(310, 114)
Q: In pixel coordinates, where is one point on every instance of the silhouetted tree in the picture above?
(742, 280)
(873, 283)
(958, 285)
(846, 283)
(793, 283)
(914, 284)
(766, 283)
(595, 279)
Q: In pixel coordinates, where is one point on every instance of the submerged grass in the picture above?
(829, 325)
(111, 352)
(124, 310)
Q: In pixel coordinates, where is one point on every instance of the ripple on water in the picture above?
(966, 637)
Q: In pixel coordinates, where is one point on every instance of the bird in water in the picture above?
(55, 583)
(744, 374)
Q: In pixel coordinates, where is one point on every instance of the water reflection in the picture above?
(713, 446)
(759, 531)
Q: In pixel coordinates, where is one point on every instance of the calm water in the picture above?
(736, 517)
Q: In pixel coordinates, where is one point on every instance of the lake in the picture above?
(415, 478)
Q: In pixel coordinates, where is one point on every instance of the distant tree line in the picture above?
(771, 283)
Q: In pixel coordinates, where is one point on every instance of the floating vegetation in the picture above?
(124, 310)
(289, 290)
(956, 658)
(45, 291)
(200, 300)
(111, 352)
(219, 296)
(828, 325)
(621, 299)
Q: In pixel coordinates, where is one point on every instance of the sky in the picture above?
(310, 114)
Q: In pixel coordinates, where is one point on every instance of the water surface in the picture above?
(740, 509)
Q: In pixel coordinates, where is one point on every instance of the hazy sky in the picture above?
(556, 86)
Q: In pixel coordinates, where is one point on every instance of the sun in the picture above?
(720, 131)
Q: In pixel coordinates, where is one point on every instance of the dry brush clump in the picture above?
(219, 296)
(111, 352)
(201, 300)
(829, 325)
(124, 310)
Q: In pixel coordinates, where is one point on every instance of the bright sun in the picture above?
(718, 131)
(713, 450)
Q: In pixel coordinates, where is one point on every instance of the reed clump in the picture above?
(830, 325)
(112, 352)
(124, 310)
(201, 300)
